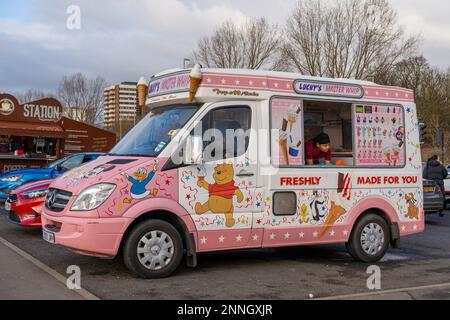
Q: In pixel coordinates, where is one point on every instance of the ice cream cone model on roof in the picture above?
(142, 88)
(196, 78)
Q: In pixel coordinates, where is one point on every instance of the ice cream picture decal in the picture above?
(287, 114)
(380, 134)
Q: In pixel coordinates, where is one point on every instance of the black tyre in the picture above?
(370, 239)
(153, 249)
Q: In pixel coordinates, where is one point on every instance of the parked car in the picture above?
(14, 179)
(24, 204)
(433, 199)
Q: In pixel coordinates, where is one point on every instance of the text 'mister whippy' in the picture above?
(328, 89)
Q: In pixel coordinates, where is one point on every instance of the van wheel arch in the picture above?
(393, 226)
(177, 223)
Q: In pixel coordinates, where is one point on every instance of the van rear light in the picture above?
(437, 189)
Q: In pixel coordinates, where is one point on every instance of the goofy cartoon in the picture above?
(138, 190)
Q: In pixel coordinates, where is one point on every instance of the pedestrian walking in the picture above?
(434, 170)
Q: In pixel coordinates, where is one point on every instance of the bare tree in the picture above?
(33, 95)
(251, 46)
(431, 89)
(83, 97)
(343, 39)
(408, 73)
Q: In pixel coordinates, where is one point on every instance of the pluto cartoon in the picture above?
(138, 190)
(413, 210)
(221, 193)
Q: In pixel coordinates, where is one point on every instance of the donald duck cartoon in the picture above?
(142, 179)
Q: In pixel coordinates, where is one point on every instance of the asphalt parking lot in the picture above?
(286, 273)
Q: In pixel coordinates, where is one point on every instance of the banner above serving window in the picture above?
(320, 88)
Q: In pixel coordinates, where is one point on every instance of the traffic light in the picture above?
(423, 132)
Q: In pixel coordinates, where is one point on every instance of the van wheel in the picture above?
(370, 237)
(154, 249)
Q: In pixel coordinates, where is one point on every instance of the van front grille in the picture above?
(57, 200)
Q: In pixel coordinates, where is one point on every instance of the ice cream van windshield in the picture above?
(155, 131)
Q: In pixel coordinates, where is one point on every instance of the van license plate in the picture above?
(48, 236)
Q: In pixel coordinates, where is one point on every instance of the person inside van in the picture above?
(318, 150)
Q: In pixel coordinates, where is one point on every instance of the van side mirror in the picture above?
(193, 152)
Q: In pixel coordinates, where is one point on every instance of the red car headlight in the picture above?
(34, 194)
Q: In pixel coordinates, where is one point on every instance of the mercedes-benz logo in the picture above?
(51, 197)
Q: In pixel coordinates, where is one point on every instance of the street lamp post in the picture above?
(186, 63)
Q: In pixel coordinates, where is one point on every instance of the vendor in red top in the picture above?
(318, 150)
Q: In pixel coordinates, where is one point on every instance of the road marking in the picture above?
(82, 292)
(378, 293)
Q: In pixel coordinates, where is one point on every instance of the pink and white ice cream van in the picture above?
(219, 163)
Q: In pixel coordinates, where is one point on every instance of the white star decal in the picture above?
(396, 94)
(377, 93)
(276, 84)
(239, 238)
(315, 234)
(415, 227)
(367, 92)
(238, 82)
(346, 232)
(255, 237)
(264, 83)
(223, 81)
(407, 95)
(222, 239)
(387, 94)
(250, 83)
(209, 80)
(301, 235)
(287, 235)
(288, 85)
(332, 233)
(272, 236)
(203, 240)
(404, 228)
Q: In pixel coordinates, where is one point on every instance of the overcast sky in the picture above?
(122, 40)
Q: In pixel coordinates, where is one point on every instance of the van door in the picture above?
(219, 194)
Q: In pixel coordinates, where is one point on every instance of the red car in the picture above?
(24, 204)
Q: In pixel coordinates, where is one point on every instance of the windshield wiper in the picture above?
(129, 155)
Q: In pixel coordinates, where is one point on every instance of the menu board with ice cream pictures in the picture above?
(287, 132)
(380, 135)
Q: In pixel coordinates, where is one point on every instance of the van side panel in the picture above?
(331, 199)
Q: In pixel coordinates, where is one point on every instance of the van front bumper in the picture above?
(88, 236)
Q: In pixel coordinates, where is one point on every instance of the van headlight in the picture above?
(93, 197)
(35, 194)
(11, 179)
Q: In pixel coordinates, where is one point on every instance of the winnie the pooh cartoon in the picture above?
(221, 193)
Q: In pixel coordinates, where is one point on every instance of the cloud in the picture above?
(119, 41)
(430, 20)
(122, 40)
(36, 33)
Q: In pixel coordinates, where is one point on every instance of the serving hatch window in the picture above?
(155, 131)
(334, 119)
(337, 134)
